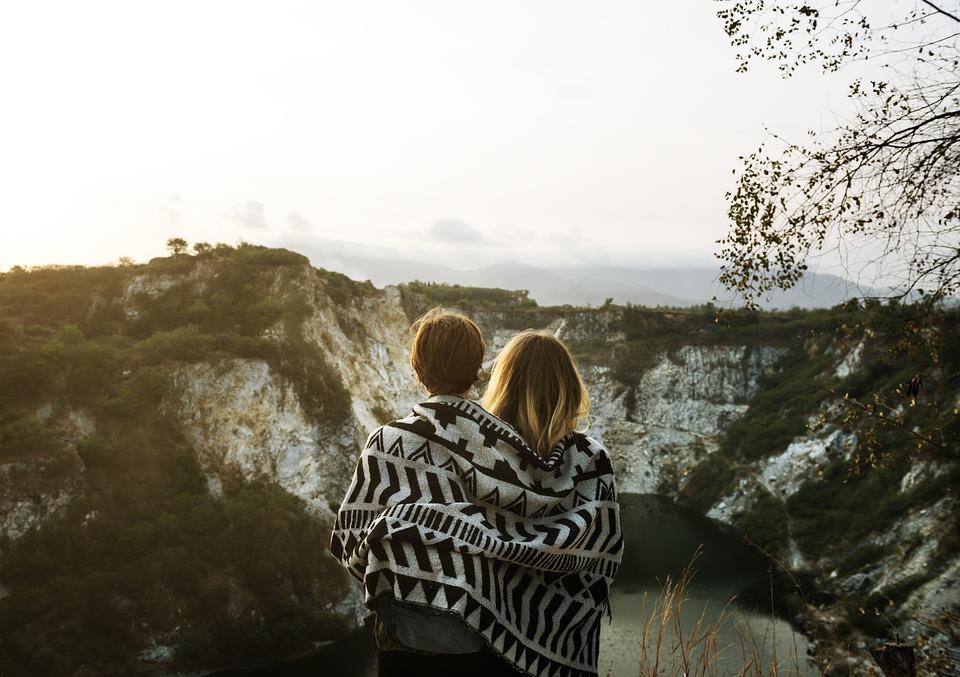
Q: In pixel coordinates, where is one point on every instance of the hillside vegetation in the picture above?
(145, 552)
(836, 524)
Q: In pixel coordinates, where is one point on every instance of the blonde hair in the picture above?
(536, 387)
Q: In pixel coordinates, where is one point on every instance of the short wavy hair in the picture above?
(447, 352)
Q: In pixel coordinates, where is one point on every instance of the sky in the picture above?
(465, 133)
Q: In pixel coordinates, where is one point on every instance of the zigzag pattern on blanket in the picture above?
(449, 508)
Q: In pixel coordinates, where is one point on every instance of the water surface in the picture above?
(660, 539)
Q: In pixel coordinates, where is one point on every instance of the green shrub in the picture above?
(261, 315)
(257, 255)
(70, 334)
(184, 343)
(95, 451)
(707, 483)
(90, 369)
(38, 330)
(243, 346)
(161, 553)
(24, 434)
(764, 523)
(136, 396)
(26, 378)
(53, 349)
(469, 298)
(777, 414)
(843, 507)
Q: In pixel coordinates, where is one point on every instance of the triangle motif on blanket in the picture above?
(492, 497)
(539, 512)
(498, 631)
(453, 594)
(472, 607)
(406, 585)
(451, 465)
(469, 480)
(486, 619)
(396, 449)
(508, 641)
(519, 504)
(579, 499)
(603, 489)
(377, 441)
(430, 590)
(422, 454)
(528, 564)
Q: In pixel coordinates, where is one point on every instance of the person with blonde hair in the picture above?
(485, 545)
(536, 387)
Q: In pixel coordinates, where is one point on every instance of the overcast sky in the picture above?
(545, 132)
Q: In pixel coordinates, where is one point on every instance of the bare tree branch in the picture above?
(941, 11)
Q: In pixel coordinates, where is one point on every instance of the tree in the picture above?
(177, 245)
(202, 248)
(126, 261)
(886, 181)
(884, 185)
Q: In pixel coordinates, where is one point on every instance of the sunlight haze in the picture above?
(546, 132)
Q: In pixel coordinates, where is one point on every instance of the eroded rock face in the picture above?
(240, 417)
(703, 388)
(682, 405)
(34, 489)
(368, 345)
(782, 475)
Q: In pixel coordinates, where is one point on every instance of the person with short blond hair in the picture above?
(486, 544)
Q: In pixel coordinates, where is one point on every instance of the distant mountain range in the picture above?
(579, 285)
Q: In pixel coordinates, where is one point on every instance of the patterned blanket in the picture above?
(449, 508)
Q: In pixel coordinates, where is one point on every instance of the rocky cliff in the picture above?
(284, 385)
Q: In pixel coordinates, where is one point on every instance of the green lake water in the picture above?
(660, 539)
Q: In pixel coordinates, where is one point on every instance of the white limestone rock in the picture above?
(27, 502)
(850, 362)
(34, 489)
(782, 475)
(682, 406)
(786, 472)
(241, 417)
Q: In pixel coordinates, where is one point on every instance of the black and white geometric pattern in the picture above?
(449, 508)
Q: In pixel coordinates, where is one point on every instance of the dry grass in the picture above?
(672, 648)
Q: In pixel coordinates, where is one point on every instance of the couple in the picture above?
(486, 537)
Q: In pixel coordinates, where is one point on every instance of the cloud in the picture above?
(168, 216)
(248, 215)
(456, 231)
(297, 221)
(168, 213)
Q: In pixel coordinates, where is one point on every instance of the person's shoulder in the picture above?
(589, 444)
(384, 435)
(411, 416)
(381, 432)
(595, 450)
